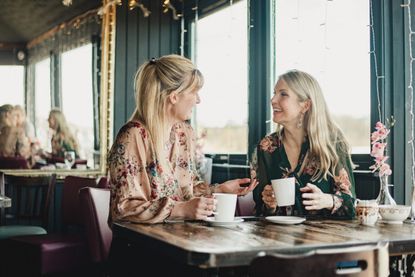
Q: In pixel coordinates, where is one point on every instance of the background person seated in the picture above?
(13, 141)
(22, 122)
(62, 138)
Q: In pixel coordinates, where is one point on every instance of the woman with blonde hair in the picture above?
(13, 141)
(151, 163)
(307, 145)
(62, 138)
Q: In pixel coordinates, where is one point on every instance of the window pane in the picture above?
(322, 38)
(77, 97)
(42, 103)
(12, 85)
(221, 55)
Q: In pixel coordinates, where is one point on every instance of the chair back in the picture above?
(358, 261)
(31, 198)
(71, 210)
(245, 205)
(103, 183)
(95, 209)
(13, 163)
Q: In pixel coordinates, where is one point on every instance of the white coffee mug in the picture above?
(367, 211)
(284, 190)
(225, 206)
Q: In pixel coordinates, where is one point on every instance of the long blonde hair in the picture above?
(63, 129)
(5, 113)
(325, 137)
(154, 82)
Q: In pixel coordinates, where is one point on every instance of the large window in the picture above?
(331, 41)
(77, 97)
(42, 103)
(221, 55)
(12, 84)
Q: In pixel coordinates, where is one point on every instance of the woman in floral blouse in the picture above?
(151, 163)
(307, 145)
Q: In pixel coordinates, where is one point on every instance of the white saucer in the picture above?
(211, 221)
(287, 220)
(391, 221)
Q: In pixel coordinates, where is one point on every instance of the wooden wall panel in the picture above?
(137, 40)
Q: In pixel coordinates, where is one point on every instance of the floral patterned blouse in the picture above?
(141, 189)
(270, 162)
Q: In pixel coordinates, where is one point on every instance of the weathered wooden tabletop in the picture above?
(198, 244)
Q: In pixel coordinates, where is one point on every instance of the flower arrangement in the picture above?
(378, 141)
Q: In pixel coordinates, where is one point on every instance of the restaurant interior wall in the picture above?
(139, 39)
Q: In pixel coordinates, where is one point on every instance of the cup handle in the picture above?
(214, 208)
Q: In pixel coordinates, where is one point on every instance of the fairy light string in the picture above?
(379, 78)
(411, 101)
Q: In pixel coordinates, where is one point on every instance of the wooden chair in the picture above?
(31, 199)
(95, 210)
(359, 261)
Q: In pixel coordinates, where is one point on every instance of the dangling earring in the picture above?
(300, 121)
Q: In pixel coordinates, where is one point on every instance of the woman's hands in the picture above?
(234, 186)
(268, 197)
(315, 199)
(196, 208)
(201, 207)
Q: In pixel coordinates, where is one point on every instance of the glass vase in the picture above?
(384, 197)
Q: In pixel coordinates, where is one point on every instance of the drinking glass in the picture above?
(69, 157)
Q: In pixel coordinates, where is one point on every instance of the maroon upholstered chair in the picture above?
(55, 253)
(245, 205)
(13, 163)
(103, 183)
(95, 209)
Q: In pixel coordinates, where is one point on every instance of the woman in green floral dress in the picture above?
(307, 145)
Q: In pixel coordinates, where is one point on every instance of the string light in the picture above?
(135, 3)
(168, 6)
(411, 106)
(103, 10)
(379, 78)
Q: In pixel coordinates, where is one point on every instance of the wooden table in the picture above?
(203, 246)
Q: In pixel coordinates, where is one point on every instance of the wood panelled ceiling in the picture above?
(23, 20)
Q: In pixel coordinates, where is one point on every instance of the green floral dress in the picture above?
(270, 162)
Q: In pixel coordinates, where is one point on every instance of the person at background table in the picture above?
(22, 122)
(307, 144)
(13, 141)
(151, 163)
(62, 138)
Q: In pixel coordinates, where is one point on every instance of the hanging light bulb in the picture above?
(168, 6)
(67, 3)
(132, 4)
